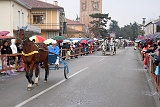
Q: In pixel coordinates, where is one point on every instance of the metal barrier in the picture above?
(151, 69)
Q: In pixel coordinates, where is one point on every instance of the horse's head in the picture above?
(20, 36)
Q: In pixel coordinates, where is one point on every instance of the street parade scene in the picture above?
(79, 54)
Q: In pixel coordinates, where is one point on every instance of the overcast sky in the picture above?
(123, 11)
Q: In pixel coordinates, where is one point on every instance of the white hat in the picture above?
(13, 41)
(54, 42)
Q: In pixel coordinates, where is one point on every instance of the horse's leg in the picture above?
(31, 71)
(36, 74)
(46, 71)
(28, 77)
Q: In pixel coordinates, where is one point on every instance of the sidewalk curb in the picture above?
(151, 84)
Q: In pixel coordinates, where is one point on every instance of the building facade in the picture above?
(49, 17)
(152, 27)
(74, 29)
(13, 14)
(88, 7)
(41, 18)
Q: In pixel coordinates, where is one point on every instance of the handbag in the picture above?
(157, 71)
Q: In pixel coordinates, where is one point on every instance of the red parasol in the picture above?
(6, 37)
(84, 41)
(37, 38)
(4, 33)
(59, 41)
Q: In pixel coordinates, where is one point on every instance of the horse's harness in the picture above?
(31, 53)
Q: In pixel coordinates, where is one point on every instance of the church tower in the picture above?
(88, 7)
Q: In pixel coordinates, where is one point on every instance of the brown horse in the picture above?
(32, 55)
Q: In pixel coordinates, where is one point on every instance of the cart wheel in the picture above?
(66, 73)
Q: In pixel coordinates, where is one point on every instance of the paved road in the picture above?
(95, 81)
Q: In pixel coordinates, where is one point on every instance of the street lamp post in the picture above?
(143, 24)
(62, 29)
(153, 26)
(144, 21)
(62, 21)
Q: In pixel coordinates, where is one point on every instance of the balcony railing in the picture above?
(55, 26)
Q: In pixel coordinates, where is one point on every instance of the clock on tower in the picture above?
(95, 6)
(88, 7)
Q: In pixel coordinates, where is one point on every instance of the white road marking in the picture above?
(44, 91)
(102, 59)
(95, 56)
(78, 72)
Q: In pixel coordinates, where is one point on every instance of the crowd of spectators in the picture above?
(8, 47)
(152, 48)
(73, 50)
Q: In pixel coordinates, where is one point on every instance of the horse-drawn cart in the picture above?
(108, 47)
(62, 64)
(34, 54)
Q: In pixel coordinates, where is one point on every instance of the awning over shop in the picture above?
(33, 29)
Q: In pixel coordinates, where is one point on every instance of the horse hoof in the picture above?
(29, 88)
(36, 81)
(45, 80)
(36, 84)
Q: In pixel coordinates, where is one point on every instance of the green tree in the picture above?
(114, 28)
(131, 31)
(99, 24)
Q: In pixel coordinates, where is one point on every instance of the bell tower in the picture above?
(88, 7)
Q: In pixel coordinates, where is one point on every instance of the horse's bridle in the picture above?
(22, 40)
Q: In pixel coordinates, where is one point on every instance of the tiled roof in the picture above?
(72, 22)
(40, 5)
(22, 4)
(73, 30)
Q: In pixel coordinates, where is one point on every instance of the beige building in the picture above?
(74, 29)
(43, 18)
(14, 14)
(48, 17)
(88, 7)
